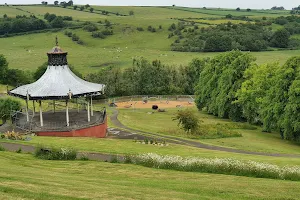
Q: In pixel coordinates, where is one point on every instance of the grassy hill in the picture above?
(28, 51)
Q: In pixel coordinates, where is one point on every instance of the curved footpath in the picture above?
(128, 133)
(175, 140)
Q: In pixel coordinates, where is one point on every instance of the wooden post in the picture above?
(67, 112)
(27, 109)
(88, 111)
(53, 106)
(92, 112)
(41, 114)
(33, 102)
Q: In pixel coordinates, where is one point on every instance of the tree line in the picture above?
(23, 23)
(229, 36)
(232, 86)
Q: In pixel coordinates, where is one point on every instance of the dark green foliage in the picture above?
(280, 38)
(91, 10)
(90, 27)
(131, 13)
(45, 153)
(148, 78)
(21, 24)
(2, 148)
(17, 77)
(81, 8)
(224, 37)
(187, 120)
(19, 150)
(58, 22)
(139, 29)
(98, 35)
(3, 68)
(75, 37)
(219, 81)
(8, 105)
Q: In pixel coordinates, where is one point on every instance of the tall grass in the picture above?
(218, 166)
(55, 153)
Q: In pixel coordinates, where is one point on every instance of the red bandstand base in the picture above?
(97, 131)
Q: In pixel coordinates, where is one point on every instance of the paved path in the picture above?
(175, 140)
(30, 149)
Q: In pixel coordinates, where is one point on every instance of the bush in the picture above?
(45, 153)
(75, 37)
(90, 27)
(187, 120)
(218, 166)
(98, 35)
(19, 150)
(139, 29)
(2, 148)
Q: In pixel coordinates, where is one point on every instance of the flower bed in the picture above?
(218, 166)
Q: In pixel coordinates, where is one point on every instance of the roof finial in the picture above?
(56, 40)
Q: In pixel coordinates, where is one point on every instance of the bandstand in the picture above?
(56, 86)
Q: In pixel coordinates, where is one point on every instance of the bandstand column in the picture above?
(92, 112)
(41, 114)
(88, 111)
(27, 109)
(53, 106)
(67, 112)
(33, 103)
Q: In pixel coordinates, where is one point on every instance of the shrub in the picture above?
(2, 148)
(75, 37)
(55, 153)
(80, 42)
(187, 120)
(139, 29)
(19, 150)
(90, 27)
(219, 166)
(98, 35)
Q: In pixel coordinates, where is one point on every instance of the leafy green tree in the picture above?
(258, 80)
(3, 68)
(8, 105)
(219, 81)
(81, 8)
(75, 7)
(56, 3)
(131, 13)
(58, 22)
(91, 10)
(277, 97)
(281, 38)
(187, 120)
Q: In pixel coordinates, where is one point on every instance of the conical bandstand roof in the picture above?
(58, 82)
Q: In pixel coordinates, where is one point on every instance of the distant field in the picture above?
(10, 11)
(29, 51)
(224, 12)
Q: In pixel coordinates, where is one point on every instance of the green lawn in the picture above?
(115, 146)
(252, 140)
(24, 177)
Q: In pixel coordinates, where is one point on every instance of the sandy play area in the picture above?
(160, 104)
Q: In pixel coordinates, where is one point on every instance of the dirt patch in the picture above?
(161, 104)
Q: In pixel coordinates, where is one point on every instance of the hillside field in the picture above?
(29, 51)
